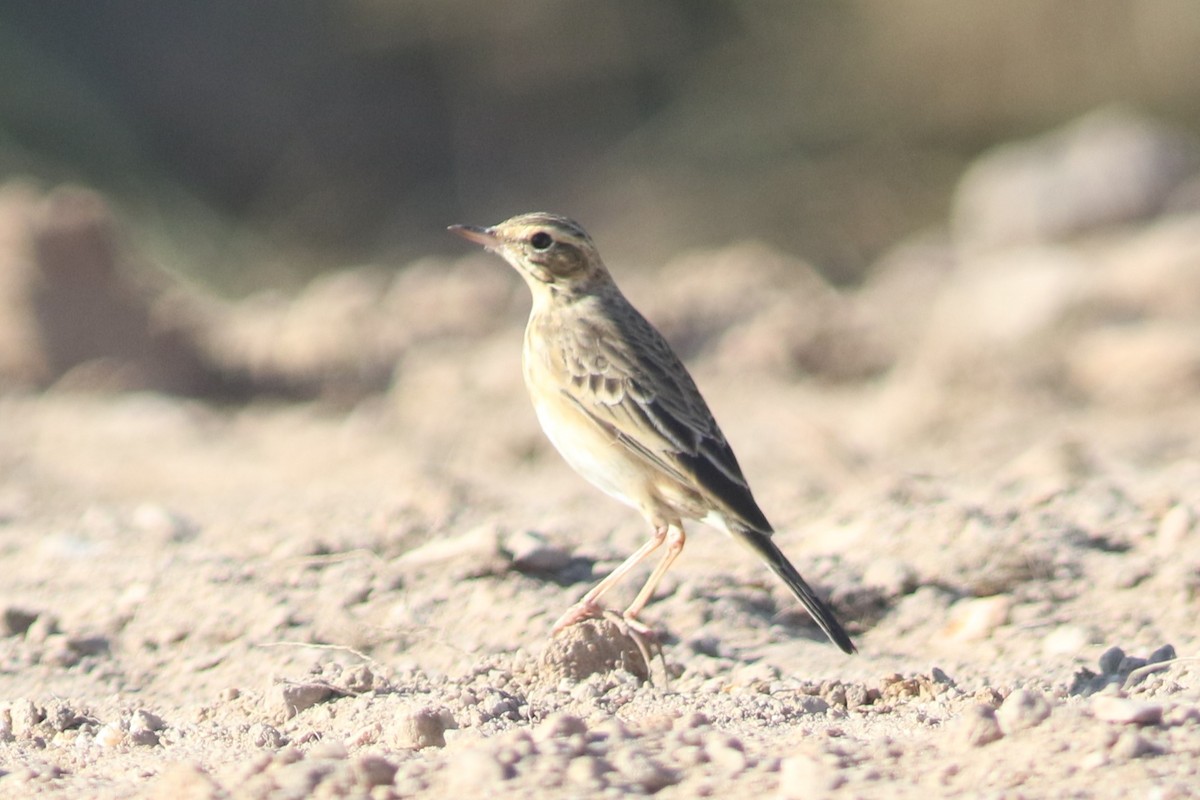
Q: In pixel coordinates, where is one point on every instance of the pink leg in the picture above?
(675, 541)
(588, 606)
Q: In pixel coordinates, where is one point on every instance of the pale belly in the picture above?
(592, 453)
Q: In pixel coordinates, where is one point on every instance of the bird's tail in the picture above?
(774, 558)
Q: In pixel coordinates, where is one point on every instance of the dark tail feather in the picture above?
(775, 559)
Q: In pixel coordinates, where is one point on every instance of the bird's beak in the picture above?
(473, 233)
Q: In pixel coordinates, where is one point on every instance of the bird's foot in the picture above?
(643, 638)
(584, 609)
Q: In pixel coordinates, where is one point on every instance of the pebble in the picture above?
(15, 621)
(978, 726)
(374, 770)
(975, 619)
(1131, 744)
(1065, 640)
(421, 728)
(1125, 711)
(286, 700)
(1164, 653)
(1021, 710)
(1173, 528)
(531, 552)
(1110, 660)
(587, 770)
(144, 728)
(265, 736)
(805, 775)
(25, 716)
(893, 577)
(726, 754)
(643, 771)
(559, 726)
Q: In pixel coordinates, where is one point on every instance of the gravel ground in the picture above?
(344, 586)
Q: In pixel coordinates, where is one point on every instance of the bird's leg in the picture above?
(675, 539)
(588, 607)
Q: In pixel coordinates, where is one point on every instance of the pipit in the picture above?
(621, 408)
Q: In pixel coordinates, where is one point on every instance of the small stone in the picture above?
(42, 628)
(265, 736)
(15, 621)
(1174, 527)
(287, 700)
(421, 728)
(1129, 664)
(1110, 660)
(144, 728)
(894, 577)
(643, 771)
(162, 523)
(1131, 744)
(25, 717)
(477, 767)
(1065, 640)
(1161, 655)
(1125, 711)
(531, 552)
(975, 619)
(726, 754)
(374, 770)
(812, 704)
(591, 647)
(186, 781)
(110, 735)
(1021, 710)
(805, 775)
(978, 726)
(559, 726)
(587, 770)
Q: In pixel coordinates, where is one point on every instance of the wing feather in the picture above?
(629, 381)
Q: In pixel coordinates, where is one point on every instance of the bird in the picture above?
(620, 407)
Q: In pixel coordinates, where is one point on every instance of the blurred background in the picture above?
(255, 144)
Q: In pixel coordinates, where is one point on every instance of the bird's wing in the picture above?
(627, 379)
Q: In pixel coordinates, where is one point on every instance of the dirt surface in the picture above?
(985, 458)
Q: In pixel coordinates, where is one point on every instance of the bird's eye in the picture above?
(541, 240)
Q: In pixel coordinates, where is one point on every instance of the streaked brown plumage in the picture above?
(623, 411)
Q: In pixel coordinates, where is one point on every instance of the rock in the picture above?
(726, 754)
(559, 726)
(187, 781)
(1108, 167)
(978, 726)
(1174, 527)
(373, 770)
(974, 619)
(1065, 640)
(473, 554)
(144, 728)
(893, 576)
(591, 647)
(286, 700)
(1162, 655)
(804, 775)
(1021, 710)
(1137, 365)
(15, 621)
(422, 727)
(643, 771)
(25, 717)
(265, 736)
(1125, 711)
(531, 552)
(1110, 660)
(1131, 744)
